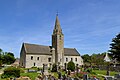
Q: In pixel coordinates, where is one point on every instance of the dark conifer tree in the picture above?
(115, 47)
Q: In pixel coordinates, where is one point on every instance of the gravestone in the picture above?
(69, 72)
(64, 77)
(117, 76)
(45, 69)
(108, 78)
(77, 69)
(52, 78)
(31, 70)
(85, 77)
(50, 66)
(65, 66)
(108, 73)
(45, 78)
(76, 79)
(59, 75)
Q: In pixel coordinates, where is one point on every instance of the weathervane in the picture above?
(57, 13)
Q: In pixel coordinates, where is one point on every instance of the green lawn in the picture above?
(103, 72)
(100, 73)
(31, 75)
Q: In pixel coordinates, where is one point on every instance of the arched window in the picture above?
(34, 64)
(49, 59)
(31, 57)
(37, 58)
(76, 59)
(66, 59)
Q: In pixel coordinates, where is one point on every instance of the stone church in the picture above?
(34, 55)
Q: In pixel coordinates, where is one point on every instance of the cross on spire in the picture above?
(57, 13)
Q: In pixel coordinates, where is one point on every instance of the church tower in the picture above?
(58, 43)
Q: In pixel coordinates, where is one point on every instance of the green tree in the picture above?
(94, 59)
(71, 66)
(9, 58)
(97, 59)
(11, 72)
(54, 68)
(86, 58)
(0, 50)
(115, 47)
(0, 57)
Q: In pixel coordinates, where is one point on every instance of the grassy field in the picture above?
(31, 75)
(100, 73)
(103, 72)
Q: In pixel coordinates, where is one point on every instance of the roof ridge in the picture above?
(25, 47)
(36, 44)
(69, 48)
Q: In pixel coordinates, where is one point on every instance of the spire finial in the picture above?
(57, 13)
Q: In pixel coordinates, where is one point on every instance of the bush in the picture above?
(11, 72)
(22, 70)
(89, 70)
(54, 68)
(71, 66)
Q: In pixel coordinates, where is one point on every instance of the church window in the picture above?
(37, 58)
(60, 37)
(49, 59)
(56, 30)
(60, 60)
(22, 63)
(66, 59)
(76, 59)
(71, 59)
(34, 64)
(31, 57)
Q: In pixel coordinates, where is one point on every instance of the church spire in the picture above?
(107, 59)
(57, 28)
(58, 42)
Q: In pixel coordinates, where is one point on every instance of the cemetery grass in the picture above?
(31, 75)
(103, 72)
(100, 73)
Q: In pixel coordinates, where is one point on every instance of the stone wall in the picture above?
(43, 59)
(22, 57)
(79, 59)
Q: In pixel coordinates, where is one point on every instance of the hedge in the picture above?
(11, 72)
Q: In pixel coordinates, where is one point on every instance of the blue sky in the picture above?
(88, 25)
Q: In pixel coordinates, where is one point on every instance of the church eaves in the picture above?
(45, 50)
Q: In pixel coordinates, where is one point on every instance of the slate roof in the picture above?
(45, 50)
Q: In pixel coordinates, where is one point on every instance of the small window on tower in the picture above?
(71, 59)
(60, 37)
(66, 59)
(56, 30)
(22, 63)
